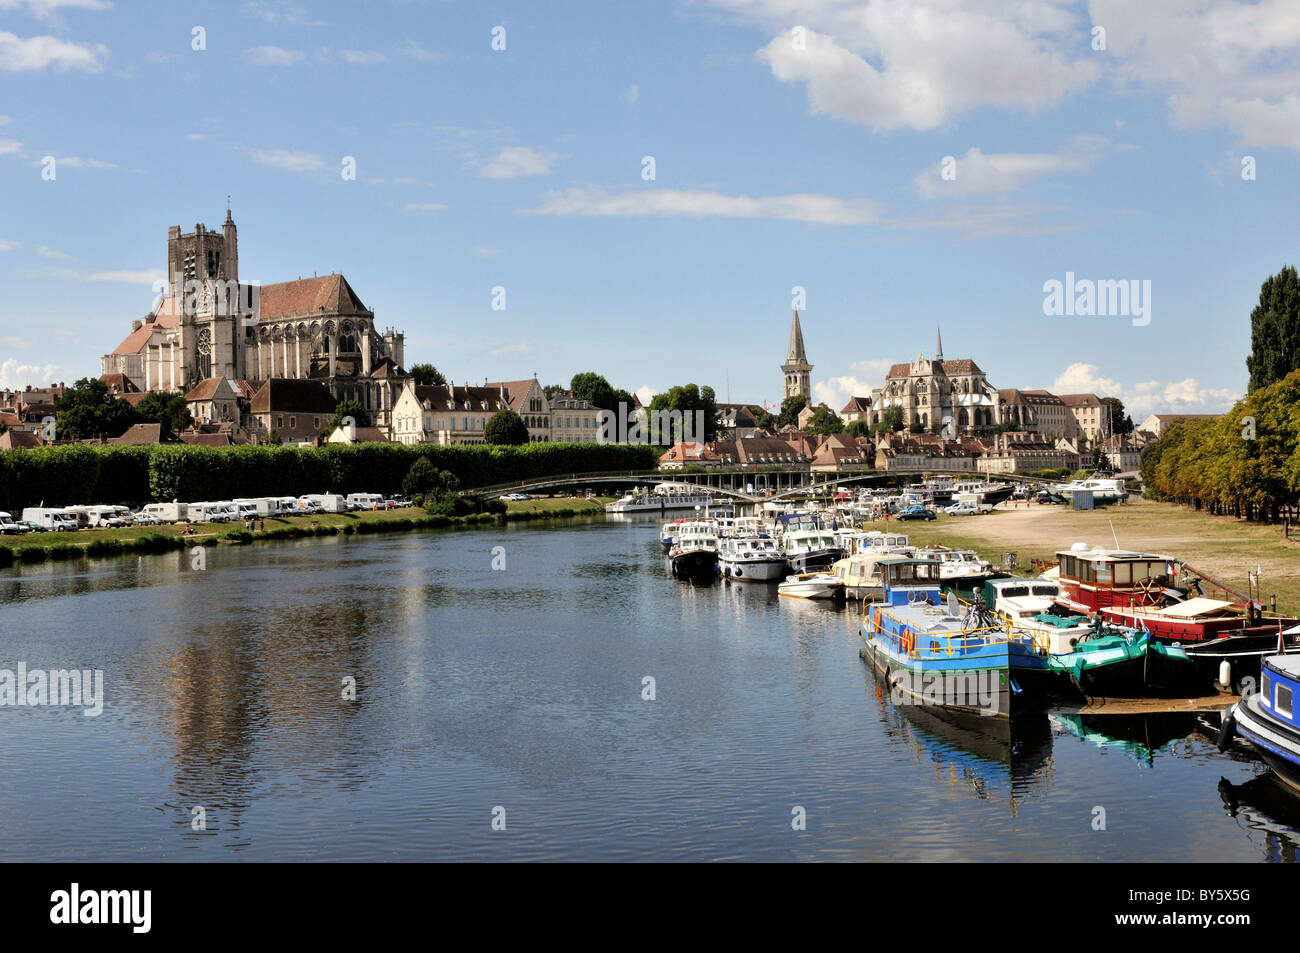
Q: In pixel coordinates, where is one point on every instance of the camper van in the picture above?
(8, 526)
(262, 506)
(50, 518)
(367, 501)
(328, 502)
(166, 512)
(99, 517)
(209, 512)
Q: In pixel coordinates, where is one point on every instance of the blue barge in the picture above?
(941, 653)
(1268, 719)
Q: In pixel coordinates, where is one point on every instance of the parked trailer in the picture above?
(262, 506)
(370, 501)
(329, 502)
(51, 518)
(103, 516)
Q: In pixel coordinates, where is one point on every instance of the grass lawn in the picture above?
(594, 505)
(1223, 547)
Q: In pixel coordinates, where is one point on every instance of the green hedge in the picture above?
(61, 476)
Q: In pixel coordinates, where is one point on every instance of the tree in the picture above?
(275, 438)
(859, 428)
(686, 399)
(349, 408)
(1275, 330)
(891, 421)
(167, 408)
(88, 410)
(825, 421)
(506, 427)
(592, 387)
(1120, 422)
(761, 417)
(425, 479)
(790, 408)
(916, 427)
(426, 375)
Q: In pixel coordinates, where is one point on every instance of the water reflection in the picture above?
(1141, 736)
(1268, 811)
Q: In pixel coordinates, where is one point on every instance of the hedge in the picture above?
(66, 475)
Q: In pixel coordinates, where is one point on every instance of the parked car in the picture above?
(8, 527)
(32, 527)
(962, 509)
(1046, 496)
(146, 519)
(916, 512)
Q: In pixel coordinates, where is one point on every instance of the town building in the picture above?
(1090, 416)
(858, 408)
(299, 411)
(213, 401)
(930, 392)
(528, 400)
(446, 413)
(573, 419)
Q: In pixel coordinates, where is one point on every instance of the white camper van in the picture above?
(328, 502)
(8, 526)
(367, 501)
(166, 512)
(52, 518)
(102, 516)
(261, 506)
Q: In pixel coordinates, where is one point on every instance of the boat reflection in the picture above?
(1270, 813)
(987, 758)
(1140, 735)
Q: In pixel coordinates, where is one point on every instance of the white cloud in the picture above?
(81, 162)
(423, 207)
(632, 94)
(517, 347)
(6, 244)
(48, 52)
(362, 57)
(810, 208)
(416, 51)
(1146, 397)
(272, 56)
(863, 377)
(920, 64)
(5, 120)
(486, 251)
(10, 146)
(977, 172)
(278, 11)
(120, 276)
(196, 137)
(47, 252)
(15, 342)
(44, 9)
(14, 376)
(517, 162)
(288, 160)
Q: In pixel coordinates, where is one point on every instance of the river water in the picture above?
(515, 697)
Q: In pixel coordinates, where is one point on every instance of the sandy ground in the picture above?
(1222, 547)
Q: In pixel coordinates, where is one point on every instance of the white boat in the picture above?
(860, 573)
(871, 541)
(960, 566)
(1031, 605)
(695, 553)
(664, 497)
(811, 585)
(807, 544)
(1103, 490)
(750, 558)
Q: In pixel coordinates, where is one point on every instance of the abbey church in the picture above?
(208, 325)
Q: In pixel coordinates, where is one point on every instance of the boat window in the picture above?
(1103, 573)
(1047, 591)
(1266, 691)
(1013, 591)
(1282, 703)
(1123, 574)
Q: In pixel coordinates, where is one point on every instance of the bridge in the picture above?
(743, 484)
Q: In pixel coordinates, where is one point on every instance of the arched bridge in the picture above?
(750, 485)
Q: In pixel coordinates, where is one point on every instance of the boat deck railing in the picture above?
(956, 642)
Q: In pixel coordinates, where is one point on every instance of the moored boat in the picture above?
(1267, 720)
(695, 552)
(750, 558)
(811, 585)
(936, 652)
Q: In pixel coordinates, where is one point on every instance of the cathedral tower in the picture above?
(797, 370)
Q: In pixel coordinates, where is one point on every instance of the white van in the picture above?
(261, 506)
(367, 501)
(329, 502)
(167, 512)
(208, 512)
(50, 518)
(8, 526)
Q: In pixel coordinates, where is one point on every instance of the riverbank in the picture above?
(133, 540)
(1225, 548)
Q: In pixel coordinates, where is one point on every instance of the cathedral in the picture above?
(930, 391)
(208, 324)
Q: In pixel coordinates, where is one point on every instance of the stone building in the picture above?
(445, 413)
(208, 323)
(928, 391)
(573, 420)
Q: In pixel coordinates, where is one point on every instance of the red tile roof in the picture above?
(309, 298)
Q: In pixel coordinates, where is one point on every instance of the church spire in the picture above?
(797, 370)
(795, 354)
(938, 350)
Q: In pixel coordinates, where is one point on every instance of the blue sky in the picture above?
(783, 157)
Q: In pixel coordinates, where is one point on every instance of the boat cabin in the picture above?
(1093, 579)
(1279, 688)
(907, 580)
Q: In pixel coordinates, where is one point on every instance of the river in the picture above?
(504, 714)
